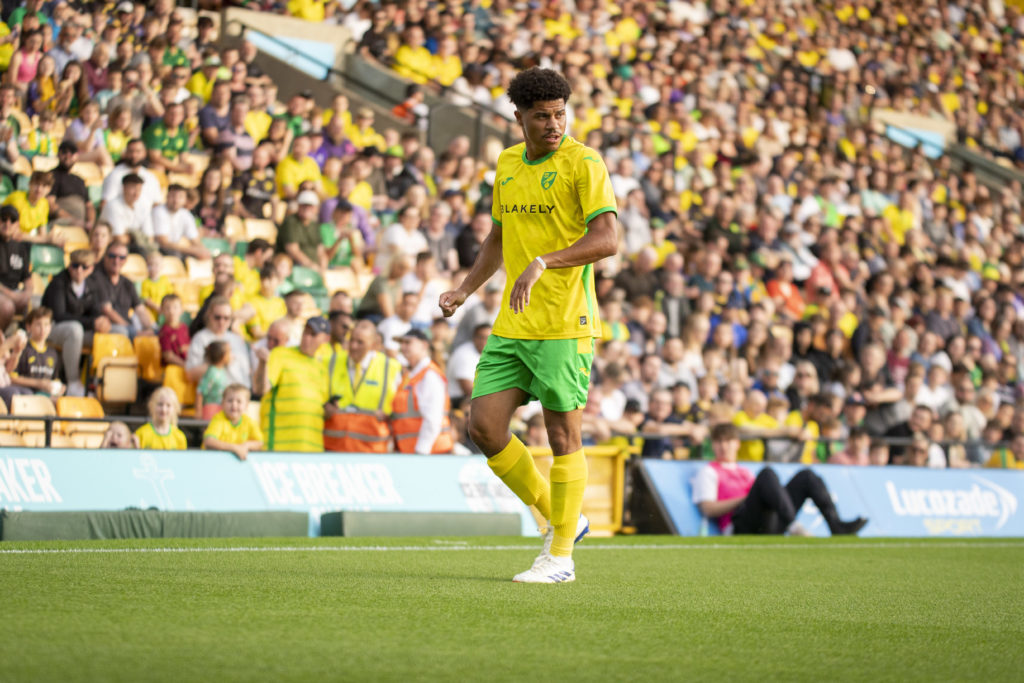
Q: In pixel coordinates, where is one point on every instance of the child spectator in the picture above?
(161, 432)
(156, 286)
(119, 436)
(41, 141)
(174, 338)
(10, 352)
(857, 451)
(231, 429)
(215, 380)
(33, 206)
(267, 304)
(39, 366)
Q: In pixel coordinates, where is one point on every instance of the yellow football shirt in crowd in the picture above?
(173, 440)
(753, 449)
(543, 206)
(220, 427)
(32, 217)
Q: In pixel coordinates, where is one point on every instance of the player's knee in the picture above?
(485, 436)
(768, 475)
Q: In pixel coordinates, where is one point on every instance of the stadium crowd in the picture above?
(785, 266)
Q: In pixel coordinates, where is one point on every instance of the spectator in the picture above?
(300, 234)
(174, 227)
(69, 198)
(116, 295)
(296, 378)
(39, 369)
(238, 145)
(661, 428)
(485, 310)
(419, 420)
(167, 139)
(462, 364)
(218, 320)
(174, 335)
(857, 451)
(741, 503)
(362, 389)
(298, 171)
(214, 118)
(215, 379)
(128, 214)
(255, 187)
(232, 429)
(76, 315)
(33, 207)
(162, 432)
(133, 162)
(381, 297)
(393, 327)
(119, 436)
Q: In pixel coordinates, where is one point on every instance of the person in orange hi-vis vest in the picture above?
(363, 381)
(419, 416)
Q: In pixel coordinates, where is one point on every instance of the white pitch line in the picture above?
(491, 548)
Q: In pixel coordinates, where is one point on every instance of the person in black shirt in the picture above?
(116, 295)
(375, 43)
(15, 267)
(69, 198)
(76, 314)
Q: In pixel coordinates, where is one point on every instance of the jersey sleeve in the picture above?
(594, 186)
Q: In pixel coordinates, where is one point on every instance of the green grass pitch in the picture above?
(446, 610)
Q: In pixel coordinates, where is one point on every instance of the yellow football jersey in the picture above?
(173, 440)
(543, 206)
(220, 427)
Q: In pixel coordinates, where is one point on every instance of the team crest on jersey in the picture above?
(548, 179)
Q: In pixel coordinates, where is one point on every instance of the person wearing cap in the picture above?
(77, 314)
(298, 171)
(299, 236)
(553, 209)
(362, 386)
(295, 391)
(69, 197)
(201, 82)
(15, 268)
(419, 417)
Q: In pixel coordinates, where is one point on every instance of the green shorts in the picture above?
(554, 371)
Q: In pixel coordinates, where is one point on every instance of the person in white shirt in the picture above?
(394, 326)
(174, 226)
(430, 391)
(401, 237)
(132, 162)
(462, 363)
(128, 214)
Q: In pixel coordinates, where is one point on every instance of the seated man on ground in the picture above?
(744, 504)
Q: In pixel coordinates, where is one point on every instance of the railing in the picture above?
(482, 114)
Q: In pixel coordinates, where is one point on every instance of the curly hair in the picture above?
(537, 85)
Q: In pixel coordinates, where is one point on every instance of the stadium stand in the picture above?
(800, 184)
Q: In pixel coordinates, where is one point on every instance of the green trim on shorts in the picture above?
(554, 371)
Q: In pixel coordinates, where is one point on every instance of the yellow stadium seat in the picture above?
(260, 227)
(234, 228)
(73, 236)
(10, 439)
(87, 439)
(61, 441)
(79, 407)
(172, 267)
(115, 367)
(147, 350)
(175, 378)
(342, 279)
(44, 164)
(189, 293)
(134, 268)
(90, 172)
(32, 405)
(199, 271)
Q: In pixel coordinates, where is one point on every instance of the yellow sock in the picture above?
(568, 481)
(514, 465)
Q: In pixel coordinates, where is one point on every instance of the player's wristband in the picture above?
(543, 266)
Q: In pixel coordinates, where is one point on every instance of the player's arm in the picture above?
(600, 241)
(487, 263)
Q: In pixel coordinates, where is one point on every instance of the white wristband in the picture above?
(543, 266)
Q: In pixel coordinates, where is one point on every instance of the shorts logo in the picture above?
(548, 179)
(583, 320)
(586, 373)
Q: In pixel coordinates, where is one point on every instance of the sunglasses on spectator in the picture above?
(81, 266)
(118, 257)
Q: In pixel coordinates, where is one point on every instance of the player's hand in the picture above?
(450, 301)
(519, 297)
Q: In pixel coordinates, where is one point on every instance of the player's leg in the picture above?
(507, 456)
(806, 484)
(500, 387)
(568, 478)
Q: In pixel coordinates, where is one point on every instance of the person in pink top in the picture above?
(742, 503)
